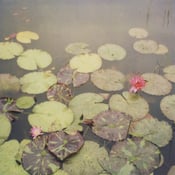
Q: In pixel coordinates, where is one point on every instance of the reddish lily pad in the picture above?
(80, 78)
(169, 73)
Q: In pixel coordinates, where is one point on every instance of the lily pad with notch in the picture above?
(169, 73)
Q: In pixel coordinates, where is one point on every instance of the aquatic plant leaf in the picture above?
(36, 159)
(63, 145)
(161, 50)
(169, 73)
(108, 79)
(156, 84)
(167, 106)
(37, 82)
(25, 102)
(5, 128)
(77, 48)
(59, 92)
(8, 50)
(87, 104)
(9, 84)
(86, 161)
(144, 155)
(111, 125)
(80, 78)
(32, 59)
(138, 32)
(145, 46)
(171, 170)
(26, 36)
(129, 103)
(51, 116)
(86, 63)
(153, 130)
(60, 172)
(112, 52)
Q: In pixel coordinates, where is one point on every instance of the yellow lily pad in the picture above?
(138, 33)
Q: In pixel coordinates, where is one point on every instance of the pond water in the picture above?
(95, 22)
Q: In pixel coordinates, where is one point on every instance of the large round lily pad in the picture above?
(112, 52)
(87, 104)
(108, 79)
(51, 116)
(86, 161)
(86, 63)
(138, 32)
(156, 84)
(37, 82)
(129, 103)
(8, 50)
(111, 125)
(169, 73)
(33, 59)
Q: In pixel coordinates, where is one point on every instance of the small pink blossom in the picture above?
(137, 83)
(35, 131)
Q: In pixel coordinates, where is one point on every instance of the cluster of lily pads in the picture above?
(114, 114)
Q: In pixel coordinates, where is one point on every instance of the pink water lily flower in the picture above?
(137, 83)
(35, 131)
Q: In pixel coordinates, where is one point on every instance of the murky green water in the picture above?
(96, 22)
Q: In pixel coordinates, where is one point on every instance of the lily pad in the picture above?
(111, 125)
(32, 59)
(63, 145)
(156, 84)
(161, 50)
(25, 102)
(169, 73)
(36, 159)
(129, 103)
(87, 104)
(145, 46)
(86, 161)
(37, 82)
(80, 78)
(153, 130)
(108, 79)
(9, 50)
(51, 116)
(138, 32)
(171, 170)
(86, 63)
(112, 52)
(167, 106)
(60, 172)
(77, 48)
(26, 36)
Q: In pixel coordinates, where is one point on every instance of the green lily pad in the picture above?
(112, 52)
(37, 82)
(51, 116)
(9, 50)
(129, 103)
(36, 159)
(86, 161)
(60, 172)
(111, 125)
(25, 102)
(169, 73)
(87, 104)
(86, 63)
(153, 130)
(138, 32)
(77, 48)
(5, 128)
(108, 79)
(33, 59)
(156, 84)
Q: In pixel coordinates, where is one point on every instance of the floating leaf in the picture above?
(108, 79)
(26, 36)
(37, 82)
(111, 125)
(51, 116)
(161, 50)
(87, 104)
(153, 130)
(169, 73)
(77, 48)
(171, 170)
(86, 161)
(138, 33)
(80, 78)
(86, 63)
(8, 50)
(36, 159)
(129, 103)
(25, 102)
(60, 172)
(112, 52)
(63, 145)
(32, 59)
(156, 84)
(145, 46)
